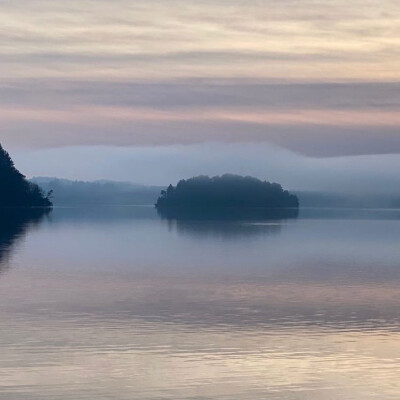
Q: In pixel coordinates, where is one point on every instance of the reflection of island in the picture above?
(14, 223)
(226, 223)
(227, 214)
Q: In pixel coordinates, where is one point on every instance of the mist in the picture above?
(167, 164)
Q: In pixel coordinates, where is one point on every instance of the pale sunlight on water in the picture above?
(124, 304)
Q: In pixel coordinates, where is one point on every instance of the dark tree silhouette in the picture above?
(224, 191)
(15, 190)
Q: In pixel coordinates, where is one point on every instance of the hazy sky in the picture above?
(173, 82)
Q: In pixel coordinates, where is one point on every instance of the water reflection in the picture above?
(14, 223)
(228, 214)
(350, 213)
(102, 214)
(226, 223)
(109, 303)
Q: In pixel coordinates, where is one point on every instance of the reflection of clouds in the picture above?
(215, 303)
(284, 330)
(136, 360)
(14, 223)
(266, 304)
(129, 336)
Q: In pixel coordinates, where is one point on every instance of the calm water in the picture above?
(123, 304)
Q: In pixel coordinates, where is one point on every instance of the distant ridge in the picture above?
(101, 192)
(15, 189)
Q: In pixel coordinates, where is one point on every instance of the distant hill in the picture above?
(102, 192)
(15, 190)
(226, 191)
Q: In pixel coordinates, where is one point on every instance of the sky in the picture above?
(304, 91)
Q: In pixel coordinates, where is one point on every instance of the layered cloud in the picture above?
(317, 77)
(287, 39)
(313, 119)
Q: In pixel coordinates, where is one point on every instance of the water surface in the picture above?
(122, 303)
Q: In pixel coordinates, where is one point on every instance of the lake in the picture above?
(123, 303)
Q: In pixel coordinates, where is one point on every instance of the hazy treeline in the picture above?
(15, 190)
(226, 191)
(68, 192)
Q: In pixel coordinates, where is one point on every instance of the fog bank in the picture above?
(167, 164)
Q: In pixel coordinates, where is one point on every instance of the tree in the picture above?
(15, 189)
(226, 191)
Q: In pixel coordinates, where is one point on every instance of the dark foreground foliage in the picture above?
(15, 190)
(226, 191)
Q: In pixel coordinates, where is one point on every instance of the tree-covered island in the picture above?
(15, 190)
(226, 191)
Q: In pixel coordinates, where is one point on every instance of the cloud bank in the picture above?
(314, 119)
(319, 78)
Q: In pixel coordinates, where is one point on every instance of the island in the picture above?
(229, 195)
(16, 190)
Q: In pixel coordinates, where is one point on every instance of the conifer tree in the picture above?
(15, 189)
